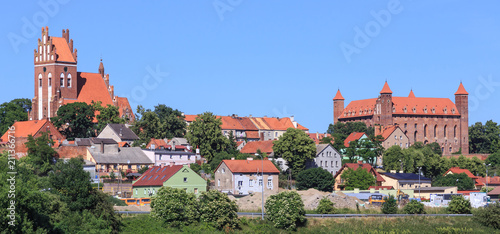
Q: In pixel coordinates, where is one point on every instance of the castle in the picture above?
(424, 120)
(57, 81)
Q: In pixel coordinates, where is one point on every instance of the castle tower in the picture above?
(55, 74)
(462, 103)
(338, 106)
(385, 107)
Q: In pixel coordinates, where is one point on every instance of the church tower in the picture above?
(55, 74)
(462, 103)
(338, 106)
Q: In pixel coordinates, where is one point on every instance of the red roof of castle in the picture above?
(386, 88)
(250, 166)
(352, 137)
(91, 87)
(411, 95)
(461, 90)
(338, 96)
(63, 52)
(155, 176)
(252, 147)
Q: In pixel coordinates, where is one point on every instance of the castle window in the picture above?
(415, 126)
(425, 130)
(445, 131)
(50, 82)
(40, 82)
(406, 125)
(435, 131)
(455, 131)
(62, 80)
(450, 150)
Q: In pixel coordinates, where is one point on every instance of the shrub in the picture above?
(285, 210)
(462, 181)
(414, 207)
(174, 207)
(459, 205)
(218, 210)
(489, 216)
(317, 178)
(325, 206)
(390, 206)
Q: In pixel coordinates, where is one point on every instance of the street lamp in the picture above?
(256, 154)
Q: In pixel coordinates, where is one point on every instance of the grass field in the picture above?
(144, 224)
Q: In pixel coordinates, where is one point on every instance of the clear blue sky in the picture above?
(274, 58)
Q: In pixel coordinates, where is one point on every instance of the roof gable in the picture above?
(252, 147)
(62, 49)
(122, 131)
(354, 136)
(250, 166)
(157, 175)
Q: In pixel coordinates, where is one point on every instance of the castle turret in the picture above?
(338, 106)
(462, 103)
(385, 106)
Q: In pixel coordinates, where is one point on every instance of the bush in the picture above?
(317, 178)
(459, 205)
(285, 210)
(218, 210)
(414, 207)
(325, 206)
(115, 201)
(390, 206)
(462, 181)
(175, 207)
(489, 216)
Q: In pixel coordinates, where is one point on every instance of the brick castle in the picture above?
(424, 120)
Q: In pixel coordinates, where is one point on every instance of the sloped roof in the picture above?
(352, 137)
(461, 90)
(411, 95)
(492, 181)
(250, 166)
(91, 87)
(132, 155)
(495, 191)
(26, 128)
(229, 122)
(320, 147)
(247, 123)
(458, 170)
(316, 137)
(126, 133)
(338, 96)
(260, 123)
(386, 88)
(389, 130)
(365, 166)
(252, 147)
(404, 176)
(123, 105)
(157, 175)
(190, 118)
(62, 49)
(252, 134)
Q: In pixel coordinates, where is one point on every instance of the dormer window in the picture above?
(405, 110)
(433, 110)
(393, 110)
(414, 110)
(453, 110)
(445, 110)
(425, 110)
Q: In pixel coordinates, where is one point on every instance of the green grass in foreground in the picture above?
(144, 224)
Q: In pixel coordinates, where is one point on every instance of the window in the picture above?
(455, 131)
(260, 182)
(240, 183)
(276, 134)
(269, 183)
(195, 190)
(320, 163)
(415, 126)
(331, 163)
(444, 130)
(185, 179)
(144, 191)
(406, 125)
(69, 82)
(336, 163)
(450, 150)
(223, 170)
(250, 183)
(425, 130)
(435, 130)
(395, 137)
(442, 149)
(401, 137)
(61, 83)
(129, 166)
(136, 191)
(50, 82)
(218, 182)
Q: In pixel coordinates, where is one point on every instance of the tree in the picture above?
(285, 210)
(15, 110)
(462, 181)
(326, 140)
(390, 206)
(175, 207)
(107, 115)
(317, 178)
(484, 138)
(75, 120)
(459, 205)
(359, 178)
(488, 216)
(173, 124)
(414, 207)
(217, 210)
(40, 154)
(296, 147)
(494, 159)
(392, 159)
(205, 132)
(325, 206)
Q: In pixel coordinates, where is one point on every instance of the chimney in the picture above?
(292, 118)
(317, 135)
(249, 116)
(172, 164)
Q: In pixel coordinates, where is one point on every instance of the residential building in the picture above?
(267, 148)
(354, 136)
(107, 156)
(175, 176)
(164, 157)
(424, 120)
(425, 192)
(495, 194)
(35, 128)
(57, 81)
(393, 135)
(157, 144)
(327, 158)
(405, 180)
(340, 182)
(317, 137)
(458, 170)
(119, 133)
(245, 176)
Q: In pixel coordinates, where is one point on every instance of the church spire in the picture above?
(411, 95)
(101, 69)
(386, 89)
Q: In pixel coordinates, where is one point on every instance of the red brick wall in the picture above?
(338, 108)
(71, 151)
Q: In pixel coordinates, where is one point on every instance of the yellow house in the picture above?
(405, 180)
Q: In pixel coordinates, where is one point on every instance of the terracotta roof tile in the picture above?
(260, 123)
(230, 123)
(316, 137)
(252, 147)
(338, 96)
(458, 170)
(352, 137)
(411, 95)
(157, 175)
(386, 88)
(26, 128)
(157, 142)
(190, 118)
(123, 106)
(91, 88)
(247, 123)
(250, 166)
(62, 49)
(388, 131)
(252, 134)
(461, 90)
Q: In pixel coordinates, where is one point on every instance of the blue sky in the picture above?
(273, 58)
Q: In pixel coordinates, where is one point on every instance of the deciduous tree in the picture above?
(286, 210)
(296, 147)
(40, 154)
(75, 120)
(15, 110)
(317, 178)
(359, 178)
(205, 132)
(175, 207)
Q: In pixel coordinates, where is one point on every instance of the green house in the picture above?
(176, 176)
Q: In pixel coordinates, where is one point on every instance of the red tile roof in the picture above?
(31, 127)
(388, 131)
(155, 176)
(124, 105)
(352, 137)
(252, 147)
(386, 88)
(250, 166)
(91, 88)
(492, 181)
(252, 134)
(495, 191)
(190, 118)
(123, 144)
(62, 49)
(231, 123)
(365, 166)
(316, 137)
(461, 90)
(260, 123)
(157, 142)
(458, 170)
(338, 96)
(411, 95)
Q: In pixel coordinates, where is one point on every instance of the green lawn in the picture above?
(144, 224)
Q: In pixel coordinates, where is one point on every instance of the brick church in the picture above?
(424, 120)
(57, 81)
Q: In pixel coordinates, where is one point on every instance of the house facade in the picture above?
(405, 180)
(108, 157)
(119, 133)
(394, 135)
(165, 157)
(327, 158)
(176, 176)
(245, 177)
